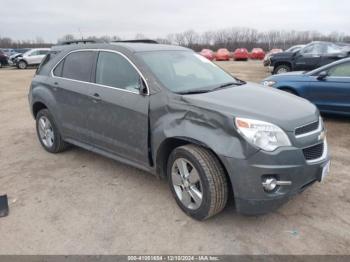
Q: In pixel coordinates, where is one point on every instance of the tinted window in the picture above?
(58, 70)
(313, 49)
(114, 70)
(342, 70)
(78, 66)
(43, 52)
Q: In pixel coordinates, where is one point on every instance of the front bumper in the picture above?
(286, 164)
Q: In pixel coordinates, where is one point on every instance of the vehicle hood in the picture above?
(258, 102)
(290, 76)
(281, 55)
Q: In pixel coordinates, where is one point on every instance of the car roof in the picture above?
(130, 47)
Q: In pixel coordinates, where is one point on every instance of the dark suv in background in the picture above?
(172, 112)
(312, 56)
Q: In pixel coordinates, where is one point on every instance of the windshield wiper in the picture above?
(228, 84)
(192, 92)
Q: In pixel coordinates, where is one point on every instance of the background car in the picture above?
(269, 54)
(295, 48)
(207, 53)
(241, 54)
(222, 55)
(257, 53)
(31, 58)
(3, 59)
(19, 52)
(327, 87)
(310, 57)
(8, 51)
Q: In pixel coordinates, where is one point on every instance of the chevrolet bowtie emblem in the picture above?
(322, 136)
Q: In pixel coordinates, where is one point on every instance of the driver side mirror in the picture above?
(322, 76)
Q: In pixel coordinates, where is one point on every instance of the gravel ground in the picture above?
(78, 202)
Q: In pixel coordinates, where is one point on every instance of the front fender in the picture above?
(206, 127)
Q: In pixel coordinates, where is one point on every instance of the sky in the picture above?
(23, 20)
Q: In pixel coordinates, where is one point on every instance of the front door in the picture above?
(118, 118)
(332, 94)
(309, 57)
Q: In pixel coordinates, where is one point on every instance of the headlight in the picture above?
(262, 134)
(269, 83)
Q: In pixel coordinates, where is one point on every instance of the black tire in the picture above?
(281, 69)
(212, 176)
(0, 64)
(58, 145)
(22, 64)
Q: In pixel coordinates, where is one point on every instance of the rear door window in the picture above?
(78, 66)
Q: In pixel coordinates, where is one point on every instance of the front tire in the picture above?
(22, 64)
(197, 181)
(282, 69)
(48, 134)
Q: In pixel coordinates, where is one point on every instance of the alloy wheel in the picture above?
(187, 183)
(46, 133)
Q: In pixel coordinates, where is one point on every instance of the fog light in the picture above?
(269, 183)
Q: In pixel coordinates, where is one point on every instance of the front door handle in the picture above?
(96, 97)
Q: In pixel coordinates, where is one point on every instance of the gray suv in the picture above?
(173, 113)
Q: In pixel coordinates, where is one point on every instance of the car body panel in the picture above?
(330, 95)
(240, 54)
(132, 127)
(310, 57)
(222, 55)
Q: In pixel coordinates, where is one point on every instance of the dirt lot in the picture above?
(78, 202)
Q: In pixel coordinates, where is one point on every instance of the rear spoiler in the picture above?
(146, 41)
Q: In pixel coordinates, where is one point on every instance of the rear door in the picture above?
(332, 94)
(71, 85)
(119, 114)
(309, 57)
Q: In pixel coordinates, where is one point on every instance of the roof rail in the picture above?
(87, 41)
(147, 41)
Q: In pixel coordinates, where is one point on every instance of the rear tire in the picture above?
(203, 192)
(282, 69)
(48, 134)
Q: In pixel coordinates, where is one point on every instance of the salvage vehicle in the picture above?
(222, 55)
(327, 87)
(257, 54)
(208, 54)
(268, 55)
(310, 57)
(173, 113)
(241, 54)
(32, 57)
(18, 53)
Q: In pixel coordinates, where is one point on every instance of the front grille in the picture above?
(313, 152)
(307, 128)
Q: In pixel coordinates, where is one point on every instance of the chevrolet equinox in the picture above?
(173, 113)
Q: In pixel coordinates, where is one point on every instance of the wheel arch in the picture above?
(279, 63)
(37, 106)
(169, 144)
(289, 88)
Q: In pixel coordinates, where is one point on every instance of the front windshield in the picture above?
(185, 71)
